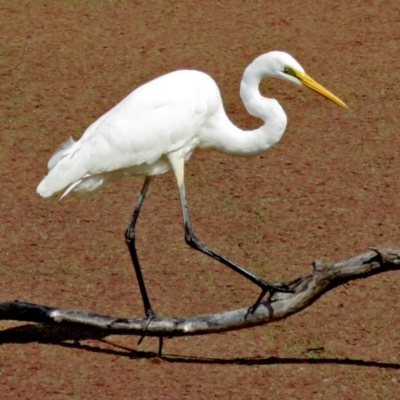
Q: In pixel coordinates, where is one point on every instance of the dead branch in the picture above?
(306, 290)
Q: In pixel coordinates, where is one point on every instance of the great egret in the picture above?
(157, 127)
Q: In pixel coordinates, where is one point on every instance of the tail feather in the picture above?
(63, 174)
(71, 187)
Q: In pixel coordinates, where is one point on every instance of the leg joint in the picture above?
(192, 240)
(130, 235)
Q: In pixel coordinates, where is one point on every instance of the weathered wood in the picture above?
(306, 290)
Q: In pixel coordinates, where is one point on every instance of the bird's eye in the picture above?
(289, 71)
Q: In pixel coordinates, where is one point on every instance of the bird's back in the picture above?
(160, 117)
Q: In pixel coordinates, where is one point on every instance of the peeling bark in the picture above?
(306, 290)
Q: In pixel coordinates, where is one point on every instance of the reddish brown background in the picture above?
(328, 190)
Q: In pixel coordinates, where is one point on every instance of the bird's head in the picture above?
(284, 66)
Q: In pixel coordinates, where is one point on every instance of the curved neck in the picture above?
(269, 110)
(234, 140)
(247, 143)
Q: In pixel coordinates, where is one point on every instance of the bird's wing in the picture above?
(152, 121)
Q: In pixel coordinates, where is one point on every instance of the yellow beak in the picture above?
(309, 82)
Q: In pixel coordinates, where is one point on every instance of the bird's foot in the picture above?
(151, 315)
(279, 287)
(272, 288)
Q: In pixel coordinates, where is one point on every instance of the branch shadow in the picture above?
(70, 337)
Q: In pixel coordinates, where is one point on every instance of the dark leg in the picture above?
(192, 241)
(130, 241)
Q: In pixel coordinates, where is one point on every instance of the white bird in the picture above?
(158, 126)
